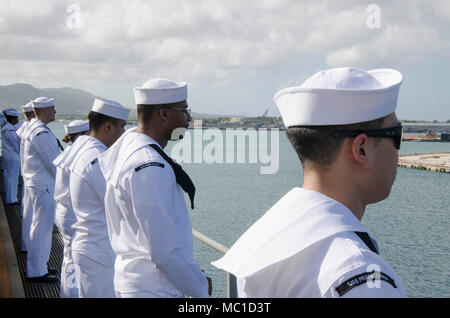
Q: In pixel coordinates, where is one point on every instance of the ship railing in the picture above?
(231, 279)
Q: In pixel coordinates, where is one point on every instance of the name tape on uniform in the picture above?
(149, 164)
(363, 278)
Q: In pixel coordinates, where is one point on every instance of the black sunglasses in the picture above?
(186, 111)
(392, 132)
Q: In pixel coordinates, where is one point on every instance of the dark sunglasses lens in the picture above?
(398, 136)
(398, 142)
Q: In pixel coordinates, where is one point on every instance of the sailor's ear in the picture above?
(361, 150)
(108, 126)
(163, 114)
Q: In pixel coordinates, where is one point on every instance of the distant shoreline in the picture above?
(274, 123)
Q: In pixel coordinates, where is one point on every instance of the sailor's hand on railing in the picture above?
(209, 285)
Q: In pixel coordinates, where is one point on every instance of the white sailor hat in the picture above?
(76, 126)
(43, 102)
(28, 107)
(160, 91)
(11, 112)
(340, 96)
(110, 108)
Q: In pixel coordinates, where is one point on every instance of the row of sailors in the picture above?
(123, 217)
(68, 188)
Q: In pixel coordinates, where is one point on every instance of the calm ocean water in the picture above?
(411, 226)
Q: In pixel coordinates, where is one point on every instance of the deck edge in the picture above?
(16, 285)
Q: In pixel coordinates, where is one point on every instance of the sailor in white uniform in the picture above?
(10, 156)
(3, 122)
(311, 243)
(40, 149)
(91, 250)
(148, 221)
(65, 217)
(26, 205)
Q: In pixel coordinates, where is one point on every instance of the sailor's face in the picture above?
(180, 118)
(387, 160)
(14, 120)
(50, 114)
(117, 130)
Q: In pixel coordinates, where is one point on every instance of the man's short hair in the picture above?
(29, 115)
(146, 113)
(37, 111)
(96, 120)
(316, 146)
(70, 138)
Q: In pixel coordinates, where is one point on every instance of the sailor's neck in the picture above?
(343, 192)
(159, 138)
(45, 122)
(97, 136)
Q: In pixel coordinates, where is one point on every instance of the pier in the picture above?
(439, 162)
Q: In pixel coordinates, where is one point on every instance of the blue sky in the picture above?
(235, 55)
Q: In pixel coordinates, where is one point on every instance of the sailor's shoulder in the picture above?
(345, 257)
(86, 159)
(146, 160)
(363, 280)
(345, 249)
(7, 127)
(9, 131)
(146, 154)
(151, 152)
(38, 131)
(41, 132)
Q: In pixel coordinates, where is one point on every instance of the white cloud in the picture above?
(218, 42)
(398, 44)
(441, 8)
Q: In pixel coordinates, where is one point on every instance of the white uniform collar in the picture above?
(34, 123)
(112, 160)
(22, 128)
(65, 159)
(80, 147)
(285, 230)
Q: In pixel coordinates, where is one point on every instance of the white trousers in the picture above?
(27, 217)
(64, 219)
(41, 230)
(11, 178)
(95, 274)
